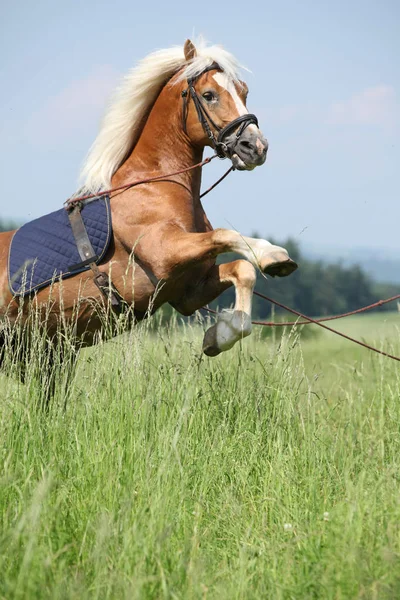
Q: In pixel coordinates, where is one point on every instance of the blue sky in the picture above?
(325, 84)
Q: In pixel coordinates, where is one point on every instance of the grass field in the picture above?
(270, 472)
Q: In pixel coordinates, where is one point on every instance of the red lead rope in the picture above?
(309, 320)
(132, 184)
(348, 314)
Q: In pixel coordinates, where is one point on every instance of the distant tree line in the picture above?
(315, 289)
(7, 225)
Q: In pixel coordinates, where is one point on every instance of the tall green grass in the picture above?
(269, 472)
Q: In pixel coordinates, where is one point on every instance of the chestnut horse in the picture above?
(175, 102)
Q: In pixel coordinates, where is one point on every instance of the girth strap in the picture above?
(88, 257)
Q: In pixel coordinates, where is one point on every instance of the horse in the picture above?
(170, 107)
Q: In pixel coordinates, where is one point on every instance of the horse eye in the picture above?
(208, 96)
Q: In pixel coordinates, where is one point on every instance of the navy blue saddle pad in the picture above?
(44, 250)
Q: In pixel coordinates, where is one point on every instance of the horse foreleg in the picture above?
(231, 326)
(170, 249)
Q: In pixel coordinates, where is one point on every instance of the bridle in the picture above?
(222, 148)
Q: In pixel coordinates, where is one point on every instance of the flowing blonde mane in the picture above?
(124, 120)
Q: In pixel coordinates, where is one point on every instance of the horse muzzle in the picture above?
(249, 150)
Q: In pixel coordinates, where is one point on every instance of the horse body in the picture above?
(164, 247)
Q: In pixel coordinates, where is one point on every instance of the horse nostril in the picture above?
(247, 145)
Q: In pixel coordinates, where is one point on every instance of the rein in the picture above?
(222, 150)
(309, 320)
(71, 201)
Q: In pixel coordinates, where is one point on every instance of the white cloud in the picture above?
(286, 114)
(78, 106)
(373, 106)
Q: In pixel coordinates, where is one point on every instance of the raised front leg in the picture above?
(170, 249)
(231, 326)
(171, 253)
(270, 259)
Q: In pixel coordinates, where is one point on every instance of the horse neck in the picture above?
(163, 147)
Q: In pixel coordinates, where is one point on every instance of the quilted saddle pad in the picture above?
(44, 250)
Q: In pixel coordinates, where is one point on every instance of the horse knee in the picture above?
(244, 273)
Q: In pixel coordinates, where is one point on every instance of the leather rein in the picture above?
(74, 205)
(222, 149)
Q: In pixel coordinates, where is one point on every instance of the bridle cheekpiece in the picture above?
(222, 149)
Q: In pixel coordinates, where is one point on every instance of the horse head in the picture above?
(214, 113)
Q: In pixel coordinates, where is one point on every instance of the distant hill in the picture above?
(381, 264)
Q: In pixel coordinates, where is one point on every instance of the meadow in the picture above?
(269, 472)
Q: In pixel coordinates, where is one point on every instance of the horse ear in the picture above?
(189, 50)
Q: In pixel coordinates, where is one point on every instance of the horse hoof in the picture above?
(229, 329)
(210, 346)
(282, 268)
